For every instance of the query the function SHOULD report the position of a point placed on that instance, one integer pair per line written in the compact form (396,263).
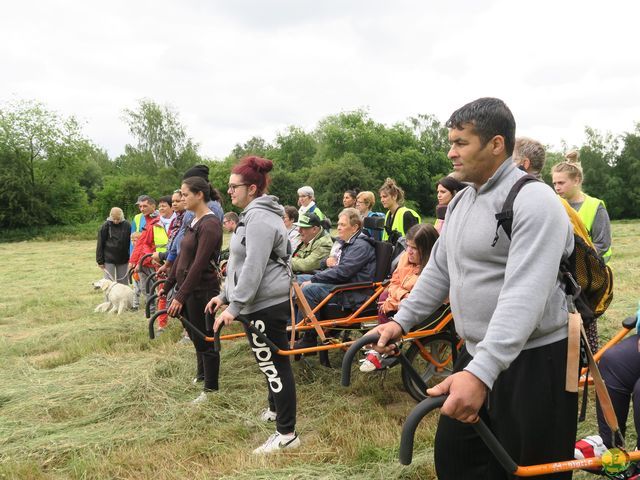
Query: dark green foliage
(122,191)
(51,175)
(47,168)
(611,167)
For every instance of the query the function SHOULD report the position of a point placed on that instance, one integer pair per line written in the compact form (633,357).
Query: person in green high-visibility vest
(399,219)
(567,182)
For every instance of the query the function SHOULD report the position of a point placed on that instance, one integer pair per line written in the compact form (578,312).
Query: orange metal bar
(340,322)
(231,336)
(556,467)
(429,358)
(378,290)
(596,356)
(444,321)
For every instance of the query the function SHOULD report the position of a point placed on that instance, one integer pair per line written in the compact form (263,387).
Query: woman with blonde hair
(112,251)
(399,219)
(567,182)
(364,203)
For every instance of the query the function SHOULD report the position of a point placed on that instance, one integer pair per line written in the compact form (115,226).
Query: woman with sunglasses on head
(196,277)
(257,287)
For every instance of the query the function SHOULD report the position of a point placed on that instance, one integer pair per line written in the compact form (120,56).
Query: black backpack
(587,278)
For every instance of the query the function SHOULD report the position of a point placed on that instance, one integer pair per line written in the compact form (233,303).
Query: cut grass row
(86,395)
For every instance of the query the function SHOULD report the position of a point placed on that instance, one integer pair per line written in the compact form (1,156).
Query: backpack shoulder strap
(505,217)
(273,256)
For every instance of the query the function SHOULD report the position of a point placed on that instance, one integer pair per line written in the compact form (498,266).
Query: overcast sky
(238,68)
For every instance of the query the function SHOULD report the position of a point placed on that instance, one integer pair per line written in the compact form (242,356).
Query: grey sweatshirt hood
(265,202)
(255,279)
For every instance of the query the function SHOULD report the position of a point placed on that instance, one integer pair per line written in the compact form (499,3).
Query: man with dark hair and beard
(508,304)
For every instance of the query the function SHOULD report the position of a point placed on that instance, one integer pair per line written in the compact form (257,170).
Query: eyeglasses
(233,187)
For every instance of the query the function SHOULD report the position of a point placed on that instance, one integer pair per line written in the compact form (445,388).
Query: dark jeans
(315,293)
(207,361)
(528,410)
(620,369)
(272,321)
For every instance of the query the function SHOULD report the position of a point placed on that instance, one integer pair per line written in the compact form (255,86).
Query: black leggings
(207,361)
(272,321)
(620,369)
(528,410)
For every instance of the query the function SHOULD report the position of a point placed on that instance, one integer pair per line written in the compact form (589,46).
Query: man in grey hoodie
(508,305)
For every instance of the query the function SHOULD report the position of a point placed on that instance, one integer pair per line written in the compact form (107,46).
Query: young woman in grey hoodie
(257,287)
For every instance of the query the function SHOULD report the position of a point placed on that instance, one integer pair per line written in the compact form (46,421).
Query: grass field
(89,396)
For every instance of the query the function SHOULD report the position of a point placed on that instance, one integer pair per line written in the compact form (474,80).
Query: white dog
(119,297)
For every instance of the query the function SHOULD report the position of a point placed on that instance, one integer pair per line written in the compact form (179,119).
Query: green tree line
(52,174)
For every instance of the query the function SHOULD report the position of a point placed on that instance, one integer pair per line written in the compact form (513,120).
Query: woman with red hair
(257,287)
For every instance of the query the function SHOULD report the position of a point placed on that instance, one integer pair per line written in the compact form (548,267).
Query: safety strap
(292,339)
(617,439)
(505,217)
(573,353)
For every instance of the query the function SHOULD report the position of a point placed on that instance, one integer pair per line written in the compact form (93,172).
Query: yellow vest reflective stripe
(136,222)
(160,238)
(398,221)
(587,214)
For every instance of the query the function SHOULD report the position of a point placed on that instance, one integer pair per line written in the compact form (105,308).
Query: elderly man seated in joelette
(315,246)
(356,263)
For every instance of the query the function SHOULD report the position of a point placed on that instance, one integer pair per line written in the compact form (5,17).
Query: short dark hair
(352,193)
(291,212)
(489,117)
(231,216)
(451,184)
(166,199)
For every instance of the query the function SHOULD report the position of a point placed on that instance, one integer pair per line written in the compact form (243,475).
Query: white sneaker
(277,443)
(268,415)
(371,362)
(591,446)
(202,398)
(184,341)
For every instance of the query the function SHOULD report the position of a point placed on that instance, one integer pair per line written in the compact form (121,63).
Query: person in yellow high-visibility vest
(154,238)
(567,182)
(399,219)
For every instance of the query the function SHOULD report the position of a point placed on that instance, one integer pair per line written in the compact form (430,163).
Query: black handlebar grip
(347,360)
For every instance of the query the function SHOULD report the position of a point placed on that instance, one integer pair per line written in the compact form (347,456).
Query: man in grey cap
(306,200)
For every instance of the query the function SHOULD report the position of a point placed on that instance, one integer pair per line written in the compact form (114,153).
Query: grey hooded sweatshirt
(505,298)
(254,280)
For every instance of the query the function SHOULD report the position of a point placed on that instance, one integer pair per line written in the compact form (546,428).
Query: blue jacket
(357,264)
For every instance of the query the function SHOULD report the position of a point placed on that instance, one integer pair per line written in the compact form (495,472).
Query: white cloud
(239,68)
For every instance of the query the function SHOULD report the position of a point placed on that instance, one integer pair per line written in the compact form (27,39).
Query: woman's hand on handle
(175,308)
(224,318)
(213,306)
